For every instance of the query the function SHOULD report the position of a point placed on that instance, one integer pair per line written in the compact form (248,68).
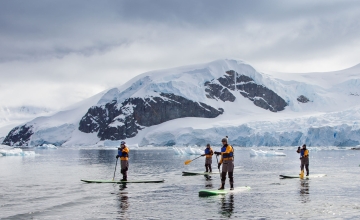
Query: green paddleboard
(198,173)
(305,177)
(129,181)
(206,192)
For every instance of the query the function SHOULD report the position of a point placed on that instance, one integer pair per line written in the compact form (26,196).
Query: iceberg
(254,153)
(47,146)
(16,152)
(187,151)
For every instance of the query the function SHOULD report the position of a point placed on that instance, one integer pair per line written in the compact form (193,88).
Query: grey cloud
(106,43)
(32,30)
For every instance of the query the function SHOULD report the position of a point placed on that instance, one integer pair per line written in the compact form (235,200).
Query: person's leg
(231,174)
(223,175)
(302,165)
(124,169)
(210,162)
(206,168)
(307,166)
(307,169)
(223,178)
(231,180)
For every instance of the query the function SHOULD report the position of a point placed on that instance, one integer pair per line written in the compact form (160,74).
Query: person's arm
(118,154)
(227,151)
(126,150)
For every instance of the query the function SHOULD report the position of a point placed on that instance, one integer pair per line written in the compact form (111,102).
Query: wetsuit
(123,153)
(227,161)
(304,158)
(208,159)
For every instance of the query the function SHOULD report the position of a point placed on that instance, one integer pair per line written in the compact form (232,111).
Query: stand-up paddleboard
(305,177)
(129,181)
(207,192)
(198,173)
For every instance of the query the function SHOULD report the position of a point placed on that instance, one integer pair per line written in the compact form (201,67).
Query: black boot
(231,186)
(222,186)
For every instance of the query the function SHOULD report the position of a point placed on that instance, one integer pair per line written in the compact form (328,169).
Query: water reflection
(227,205)
(97,156)
(122,186)
(208,182)
(124,205)
(304,191)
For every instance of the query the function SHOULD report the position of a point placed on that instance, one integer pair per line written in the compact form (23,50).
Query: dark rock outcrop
(19,136)
(115,121)
(217,91)
(303,99)
(258,94)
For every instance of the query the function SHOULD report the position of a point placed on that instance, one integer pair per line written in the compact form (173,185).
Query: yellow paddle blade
(187,162)
(302,174)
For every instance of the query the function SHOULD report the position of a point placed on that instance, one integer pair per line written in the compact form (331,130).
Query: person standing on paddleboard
(304,158)
(227,162)
(123,153)
(208,158)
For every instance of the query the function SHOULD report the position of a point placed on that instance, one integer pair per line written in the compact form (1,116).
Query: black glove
(117,156)
(202,155)
(219,164)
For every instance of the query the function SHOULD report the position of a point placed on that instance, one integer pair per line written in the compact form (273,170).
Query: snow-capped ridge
(202,103)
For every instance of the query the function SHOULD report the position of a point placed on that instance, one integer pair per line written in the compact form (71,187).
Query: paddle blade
(187,162)
(302,174)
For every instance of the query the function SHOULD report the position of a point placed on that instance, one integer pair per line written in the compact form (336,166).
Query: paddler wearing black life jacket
(208,158)
(227,162)
(304,158)
(123,153)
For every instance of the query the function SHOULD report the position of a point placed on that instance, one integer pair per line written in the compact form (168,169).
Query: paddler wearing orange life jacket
(227,162)
(304,158)
(123,153)
(208,158)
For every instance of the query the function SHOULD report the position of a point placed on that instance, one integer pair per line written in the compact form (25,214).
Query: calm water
(47,186)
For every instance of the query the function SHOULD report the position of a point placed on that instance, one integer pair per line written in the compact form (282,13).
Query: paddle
(115,168)
(218,163)
(302,174)
(189,161)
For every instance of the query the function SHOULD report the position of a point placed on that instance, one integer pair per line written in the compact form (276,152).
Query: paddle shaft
(197,157)
(189,161)
(218,164)
(115,169)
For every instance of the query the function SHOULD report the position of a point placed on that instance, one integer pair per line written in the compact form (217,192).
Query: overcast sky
(55,53)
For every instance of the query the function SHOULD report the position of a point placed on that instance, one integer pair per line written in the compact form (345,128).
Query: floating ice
(16,152)
(111,143)
(254,153)
(187,151)
(133,146)
(47,146)
(178,151)
(313,148)
(193,151)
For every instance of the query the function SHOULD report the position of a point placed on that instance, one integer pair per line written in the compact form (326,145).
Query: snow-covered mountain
(202,103)
(11,116)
